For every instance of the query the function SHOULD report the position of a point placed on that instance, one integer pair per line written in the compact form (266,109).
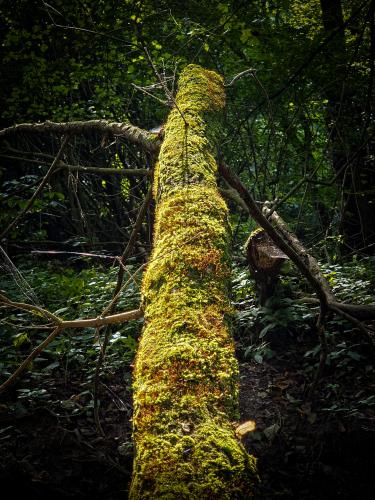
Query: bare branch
(120,276)
(294,256)
(147,140)
(80,168)
(31,308)
(356,323)
(131,242)
(293,241)
(277,238)
(24,365)
(240,75)
(162,82)
(84,323)
(159,77)
(114,319)
(59,326)
(80,254)
(358,311)
(145,91)
(76,323)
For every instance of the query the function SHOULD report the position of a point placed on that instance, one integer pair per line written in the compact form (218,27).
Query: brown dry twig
(81,168)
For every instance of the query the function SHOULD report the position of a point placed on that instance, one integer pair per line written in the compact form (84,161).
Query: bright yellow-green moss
(253,233)
(186,374)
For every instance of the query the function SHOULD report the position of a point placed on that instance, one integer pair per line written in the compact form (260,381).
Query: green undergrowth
(78,294)
(70,294)
(283,333)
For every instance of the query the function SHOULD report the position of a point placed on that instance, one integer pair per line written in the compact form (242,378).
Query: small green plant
(259,352)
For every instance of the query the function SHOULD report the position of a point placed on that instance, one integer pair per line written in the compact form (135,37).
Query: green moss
(257,230)
(186,374)
(219,466)
(186,153)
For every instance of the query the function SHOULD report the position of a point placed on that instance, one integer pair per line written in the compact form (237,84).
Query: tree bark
(265,260)
(147,140)
(186,373)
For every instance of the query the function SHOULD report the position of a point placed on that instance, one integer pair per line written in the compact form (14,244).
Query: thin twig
(320,326)
(142,89)
(81,168)
(240,75)
(81,254)
(31,308)
(355,322)
(120,276)
(168,93)
(98,424)
(130,245)
(24,365)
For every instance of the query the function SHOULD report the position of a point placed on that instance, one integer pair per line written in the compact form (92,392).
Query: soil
(47,455)
(304,452)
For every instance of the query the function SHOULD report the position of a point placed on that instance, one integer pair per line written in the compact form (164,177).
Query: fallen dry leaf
(245,428)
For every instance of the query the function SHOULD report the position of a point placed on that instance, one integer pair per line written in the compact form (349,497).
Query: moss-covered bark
(185,379)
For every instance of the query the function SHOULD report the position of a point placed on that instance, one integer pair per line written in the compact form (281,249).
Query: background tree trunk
(349,118)
(185,379)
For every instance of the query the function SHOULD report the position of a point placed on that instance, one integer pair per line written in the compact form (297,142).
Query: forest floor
(304,451)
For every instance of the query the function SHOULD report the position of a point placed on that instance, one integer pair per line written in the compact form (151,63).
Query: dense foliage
(87,60)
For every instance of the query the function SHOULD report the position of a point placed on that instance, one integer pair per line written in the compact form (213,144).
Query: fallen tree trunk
(363,312)
(186,374)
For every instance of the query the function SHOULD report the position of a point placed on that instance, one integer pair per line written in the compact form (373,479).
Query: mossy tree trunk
(185,378)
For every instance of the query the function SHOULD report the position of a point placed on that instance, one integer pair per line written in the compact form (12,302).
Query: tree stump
(265,260)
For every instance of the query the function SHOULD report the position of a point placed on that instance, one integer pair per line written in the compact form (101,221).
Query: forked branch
(59,324)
